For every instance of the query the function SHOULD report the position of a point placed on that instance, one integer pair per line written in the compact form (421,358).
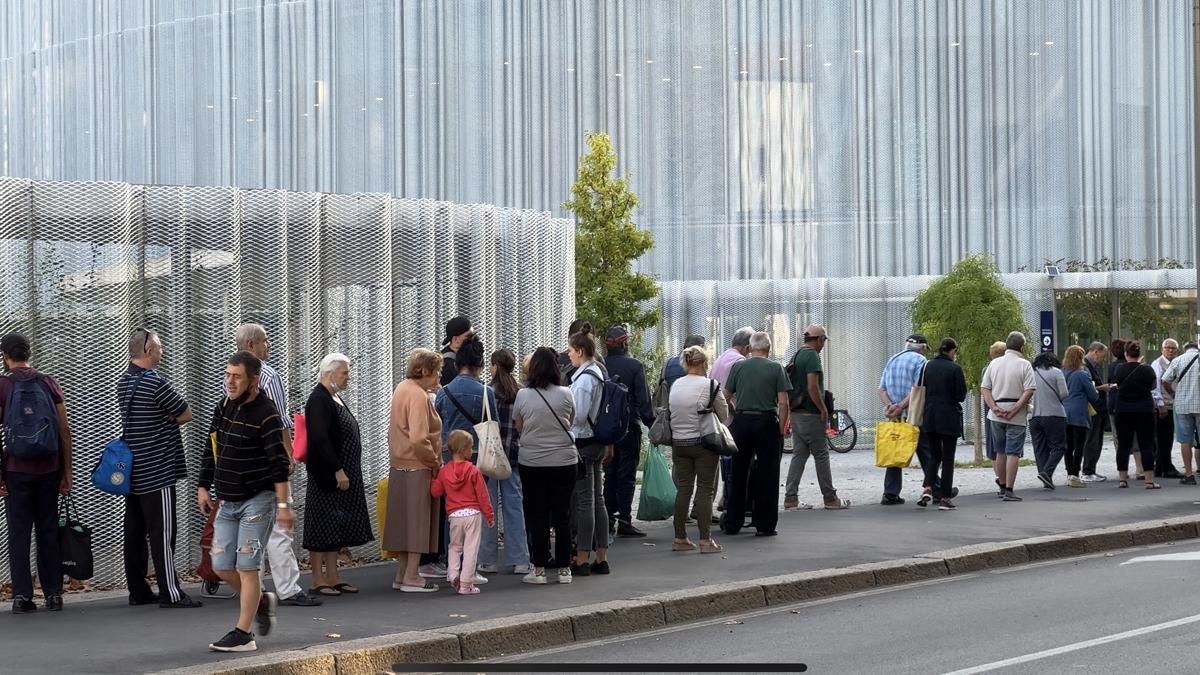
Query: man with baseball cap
(620,475)
(899,375)
(457,330)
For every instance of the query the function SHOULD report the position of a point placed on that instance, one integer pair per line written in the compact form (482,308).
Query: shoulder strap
(127,405)
(921,377)
(712,396)
(1188,367)
(555,415)
(461,409)
(1038,372)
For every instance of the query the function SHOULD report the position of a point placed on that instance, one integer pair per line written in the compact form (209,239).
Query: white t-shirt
(1008,377)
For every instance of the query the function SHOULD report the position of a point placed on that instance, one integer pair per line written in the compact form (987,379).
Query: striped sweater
(246,455)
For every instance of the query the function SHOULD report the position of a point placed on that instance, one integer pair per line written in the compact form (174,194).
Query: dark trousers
(32,505)
(1094,443)
(893,478)
(1049,442)
(1165,433)
(941,448)
(1076,441)
(759,443)
(620,475)
(1131,425)
(546,498)
(151,516)
(443,537)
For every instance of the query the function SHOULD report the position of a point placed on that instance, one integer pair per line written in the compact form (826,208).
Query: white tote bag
(493,461)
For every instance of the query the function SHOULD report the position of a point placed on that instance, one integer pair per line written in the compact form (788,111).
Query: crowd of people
(571,489)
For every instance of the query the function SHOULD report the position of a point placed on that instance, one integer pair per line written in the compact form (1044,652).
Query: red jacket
(463,485)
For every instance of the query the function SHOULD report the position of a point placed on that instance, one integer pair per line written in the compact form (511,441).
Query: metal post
(1196,152)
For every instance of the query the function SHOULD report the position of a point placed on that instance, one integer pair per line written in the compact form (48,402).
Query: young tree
(607,290)
(972,306)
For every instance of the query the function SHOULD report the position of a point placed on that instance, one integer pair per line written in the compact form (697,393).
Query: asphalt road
(1097,614)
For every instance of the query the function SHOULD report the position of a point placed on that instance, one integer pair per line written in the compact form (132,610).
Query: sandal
(1123,484)
(328,591)
(838,505)
(710,546)
(1151,485)
(685,545)
(345,588)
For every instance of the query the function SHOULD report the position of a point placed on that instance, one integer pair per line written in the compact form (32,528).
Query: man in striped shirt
(252,337)
(152,412)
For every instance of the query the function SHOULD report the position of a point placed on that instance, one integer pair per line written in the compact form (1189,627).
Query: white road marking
(1087,644)
(1167,557)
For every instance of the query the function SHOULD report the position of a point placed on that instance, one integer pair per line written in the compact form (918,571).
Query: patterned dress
(339,519)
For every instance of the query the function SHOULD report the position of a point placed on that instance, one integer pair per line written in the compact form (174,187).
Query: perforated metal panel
(364,274)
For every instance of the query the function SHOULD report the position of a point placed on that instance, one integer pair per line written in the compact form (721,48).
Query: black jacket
(945,390)
(1101,405)
(629,371)
(324,438)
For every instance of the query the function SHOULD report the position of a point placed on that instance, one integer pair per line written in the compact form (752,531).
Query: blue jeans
(1007,439)
(516,549)
(240,533)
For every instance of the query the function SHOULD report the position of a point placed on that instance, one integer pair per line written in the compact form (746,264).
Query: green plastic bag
(658,488)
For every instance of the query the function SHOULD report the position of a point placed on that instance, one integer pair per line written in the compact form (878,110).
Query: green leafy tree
(607,290)
(974,307)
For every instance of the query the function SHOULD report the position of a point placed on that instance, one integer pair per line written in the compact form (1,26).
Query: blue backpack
(612,422)
(115,466)
(30,420)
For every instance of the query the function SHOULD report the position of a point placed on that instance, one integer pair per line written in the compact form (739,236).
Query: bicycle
(842,434)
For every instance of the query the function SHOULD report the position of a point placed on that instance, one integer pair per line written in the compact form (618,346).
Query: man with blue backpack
(35,470)
(620,475)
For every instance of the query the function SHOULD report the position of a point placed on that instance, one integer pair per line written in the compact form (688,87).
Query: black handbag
(74,541)
(719,440)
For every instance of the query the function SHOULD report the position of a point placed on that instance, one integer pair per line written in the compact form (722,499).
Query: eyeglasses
(146,344)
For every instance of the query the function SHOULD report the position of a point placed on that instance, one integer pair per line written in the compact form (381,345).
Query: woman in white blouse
(694,400)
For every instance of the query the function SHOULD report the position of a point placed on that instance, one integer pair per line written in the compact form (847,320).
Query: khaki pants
(808,438)
(694,465)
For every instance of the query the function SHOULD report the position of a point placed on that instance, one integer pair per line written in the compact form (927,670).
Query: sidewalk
(108,636)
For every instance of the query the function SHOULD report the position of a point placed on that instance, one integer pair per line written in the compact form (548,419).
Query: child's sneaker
(564,575)
(534,577)
(468,589)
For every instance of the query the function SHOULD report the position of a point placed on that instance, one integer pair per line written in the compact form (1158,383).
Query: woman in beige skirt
(414,432)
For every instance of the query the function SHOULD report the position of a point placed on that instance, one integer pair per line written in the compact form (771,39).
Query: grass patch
(987,464)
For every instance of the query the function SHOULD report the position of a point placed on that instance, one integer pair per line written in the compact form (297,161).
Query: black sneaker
(137,602)
(265,616)
(1188,480)
(186,602)
(600,567)
(578,570)
(300,599)
(54,603)
(1047,482)
(891,500)
(23,605)
(235,641)
(1010,497)
(926,497)
(953,492)
(625,529)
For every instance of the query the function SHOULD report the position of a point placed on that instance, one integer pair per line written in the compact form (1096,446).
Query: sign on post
(1047,331)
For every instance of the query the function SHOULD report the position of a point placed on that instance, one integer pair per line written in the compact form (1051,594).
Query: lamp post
(1196,154)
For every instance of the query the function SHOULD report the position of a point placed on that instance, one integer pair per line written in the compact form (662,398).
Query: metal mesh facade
(364,274)
(823,138)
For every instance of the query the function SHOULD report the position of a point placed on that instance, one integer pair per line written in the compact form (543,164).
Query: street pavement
(1105,613)
(103,634)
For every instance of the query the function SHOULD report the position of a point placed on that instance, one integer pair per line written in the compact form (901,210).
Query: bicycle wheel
(843,432)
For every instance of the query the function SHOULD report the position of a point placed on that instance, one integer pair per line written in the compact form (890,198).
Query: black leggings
(941,450)
(1076,442)
(546,496)
(1141,425)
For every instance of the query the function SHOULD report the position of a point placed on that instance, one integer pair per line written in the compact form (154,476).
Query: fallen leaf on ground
(646,543)
(333,635)
(734,623)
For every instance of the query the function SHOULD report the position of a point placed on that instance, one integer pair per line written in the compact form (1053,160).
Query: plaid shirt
(1187,389)
(509,435)
(901,373)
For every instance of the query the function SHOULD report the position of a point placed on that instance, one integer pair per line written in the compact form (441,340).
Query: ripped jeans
(241,531)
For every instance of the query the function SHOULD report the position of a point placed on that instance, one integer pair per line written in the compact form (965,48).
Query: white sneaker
(535,577)
(522,569)
(480,579)
(1093,478)
(488,568)
(564,575)
(432,571)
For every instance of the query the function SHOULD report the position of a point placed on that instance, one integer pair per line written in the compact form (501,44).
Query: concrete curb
(525,632)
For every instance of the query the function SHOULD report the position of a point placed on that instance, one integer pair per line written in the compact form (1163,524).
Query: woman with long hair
(507,491)
(1048,423)
(1081,399)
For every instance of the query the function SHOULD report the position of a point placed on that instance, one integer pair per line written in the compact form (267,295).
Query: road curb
(525,632)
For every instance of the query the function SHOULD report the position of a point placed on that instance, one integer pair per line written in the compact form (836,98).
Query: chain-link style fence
(363,274)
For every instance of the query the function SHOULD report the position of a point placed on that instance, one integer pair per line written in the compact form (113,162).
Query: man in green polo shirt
(809,420)
(759,389)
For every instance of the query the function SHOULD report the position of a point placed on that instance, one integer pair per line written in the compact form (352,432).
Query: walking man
(1164,402)
(810,418)
(1183,383)
(1093,445)
(285,570)
(900,373)
(1008,384)
(620,474)
(248,465)
(759,425)
(34,470)
(152,412)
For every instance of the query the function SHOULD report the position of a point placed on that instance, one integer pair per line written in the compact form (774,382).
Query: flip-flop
(328,591)
(346,588)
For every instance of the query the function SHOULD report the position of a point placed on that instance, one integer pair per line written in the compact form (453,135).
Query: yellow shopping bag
(895,443)
(381,495)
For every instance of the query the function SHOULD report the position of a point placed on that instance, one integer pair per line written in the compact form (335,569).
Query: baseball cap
(616,335)
(13,342)
(455,327)
(694,341)
(916,339)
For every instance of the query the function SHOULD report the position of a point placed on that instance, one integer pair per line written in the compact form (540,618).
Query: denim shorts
(240,533)
(1187,428)
(1008,439)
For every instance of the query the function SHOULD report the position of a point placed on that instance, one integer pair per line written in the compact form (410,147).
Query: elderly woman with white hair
(335,507)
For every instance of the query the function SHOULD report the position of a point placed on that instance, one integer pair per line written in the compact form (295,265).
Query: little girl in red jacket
(466,497)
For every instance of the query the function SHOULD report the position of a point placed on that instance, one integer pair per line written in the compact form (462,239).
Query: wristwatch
(282,505)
